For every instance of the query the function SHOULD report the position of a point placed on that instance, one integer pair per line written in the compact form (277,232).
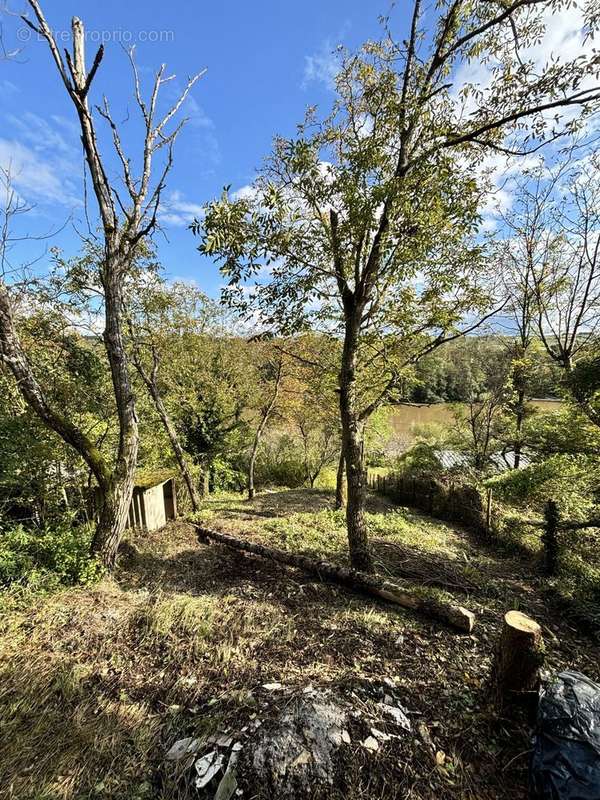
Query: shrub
(45,558)
(572,481)
(280,463)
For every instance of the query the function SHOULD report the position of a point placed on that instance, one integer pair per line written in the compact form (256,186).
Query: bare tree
(520,257)
(159,314)
(125,222)
(554,244)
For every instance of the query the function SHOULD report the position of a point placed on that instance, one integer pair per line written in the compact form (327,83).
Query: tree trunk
(519,656)
(457,616)
(352,445)
(519,416)
(117,497)
(255,445)
(112,521)
(340,494)
(179,454)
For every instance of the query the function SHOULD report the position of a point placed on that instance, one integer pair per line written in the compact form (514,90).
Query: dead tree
(519,656)
(125,223)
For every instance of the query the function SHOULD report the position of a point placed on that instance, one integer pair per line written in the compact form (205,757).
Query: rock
(297,754)
(228,785)
(207,767)
(371,743)
(380,735)
(183,748)
(272,687)
(397,715)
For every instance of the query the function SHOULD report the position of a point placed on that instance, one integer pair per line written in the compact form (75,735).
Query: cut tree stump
(456,616)
(515,675)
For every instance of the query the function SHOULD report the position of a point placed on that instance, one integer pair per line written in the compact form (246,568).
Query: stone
(371,743)
(297,754)
(183,748)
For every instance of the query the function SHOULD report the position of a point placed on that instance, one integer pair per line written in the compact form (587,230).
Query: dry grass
(97,683)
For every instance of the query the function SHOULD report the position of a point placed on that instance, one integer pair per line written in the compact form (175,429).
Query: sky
(266,61)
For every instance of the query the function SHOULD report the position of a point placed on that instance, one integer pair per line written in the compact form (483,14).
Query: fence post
(384,484)
(550,537)
(378,482)
(488,511)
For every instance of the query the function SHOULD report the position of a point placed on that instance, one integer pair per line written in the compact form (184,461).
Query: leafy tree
(271,376)
(164,323)
(364,221)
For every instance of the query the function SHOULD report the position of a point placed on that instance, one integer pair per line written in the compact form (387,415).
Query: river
(407,419)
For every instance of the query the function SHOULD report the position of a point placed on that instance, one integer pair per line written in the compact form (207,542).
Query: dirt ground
(97,683)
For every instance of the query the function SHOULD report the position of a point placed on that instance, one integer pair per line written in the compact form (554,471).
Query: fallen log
(456,616)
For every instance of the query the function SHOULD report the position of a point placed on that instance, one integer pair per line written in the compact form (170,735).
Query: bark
(519,656)
(151,382)
(113,516)
(340,493)
(352,445)
(456,616)
(266,413)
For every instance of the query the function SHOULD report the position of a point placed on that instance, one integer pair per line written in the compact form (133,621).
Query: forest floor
(97,683)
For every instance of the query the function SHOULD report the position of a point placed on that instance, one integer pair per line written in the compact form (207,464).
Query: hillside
(97,683)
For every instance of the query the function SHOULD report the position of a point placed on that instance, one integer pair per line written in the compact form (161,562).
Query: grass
(97,683)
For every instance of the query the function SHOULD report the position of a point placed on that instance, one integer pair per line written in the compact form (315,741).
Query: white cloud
(564,39)
(8,88)
(247,192)
(322,66)
(43,156)
(35,176)
(178,212)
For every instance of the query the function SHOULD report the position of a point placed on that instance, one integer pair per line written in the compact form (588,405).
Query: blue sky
(266,60)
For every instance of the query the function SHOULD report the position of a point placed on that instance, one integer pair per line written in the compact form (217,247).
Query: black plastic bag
(565,764)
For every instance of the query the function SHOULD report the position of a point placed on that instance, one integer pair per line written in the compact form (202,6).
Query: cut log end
(517,621)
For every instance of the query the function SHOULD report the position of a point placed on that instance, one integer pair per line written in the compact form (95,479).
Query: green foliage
(280,462)
(43,559)
(572,481)
(419,460)
(226,475)
(565,430)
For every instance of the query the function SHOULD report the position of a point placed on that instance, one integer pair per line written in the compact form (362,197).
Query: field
(97,683)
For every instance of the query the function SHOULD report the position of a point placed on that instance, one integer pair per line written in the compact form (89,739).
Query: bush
(280,463)
(42,559)
(572,481)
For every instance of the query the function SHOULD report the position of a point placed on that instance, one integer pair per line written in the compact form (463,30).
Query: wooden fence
(447,500)
(475,508)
